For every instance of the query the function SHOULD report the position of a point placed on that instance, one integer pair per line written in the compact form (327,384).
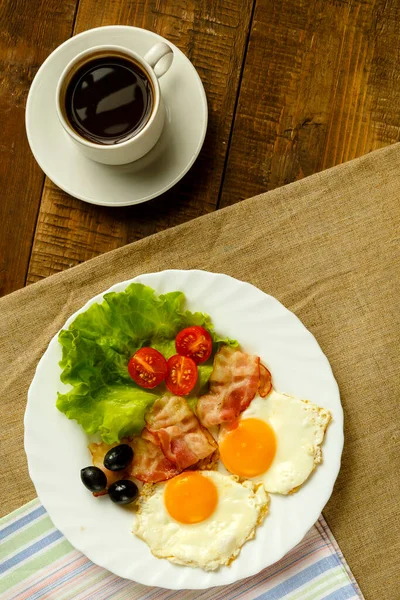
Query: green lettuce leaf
(96,349)
(204,374)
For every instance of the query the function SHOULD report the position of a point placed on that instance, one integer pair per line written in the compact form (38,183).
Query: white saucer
(173,155)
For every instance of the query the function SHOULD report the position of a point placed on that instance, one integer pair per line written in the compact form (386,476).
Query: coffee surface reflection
(108,99)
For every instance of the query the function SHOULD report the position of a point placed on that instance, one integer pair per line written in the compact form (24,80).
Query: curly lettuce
(96,349)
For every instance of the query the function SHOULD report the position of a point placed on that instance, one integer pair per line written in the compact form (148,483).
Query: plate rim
(338,417)
(36,82)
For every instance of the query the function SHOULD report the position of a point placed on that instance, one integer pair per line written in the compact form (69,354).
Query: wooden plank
(213,35)
(320,86)
(29,32)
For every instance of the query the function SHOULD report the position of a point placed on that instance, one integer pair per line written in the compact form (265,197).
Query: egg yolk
(249,449)
(190,497)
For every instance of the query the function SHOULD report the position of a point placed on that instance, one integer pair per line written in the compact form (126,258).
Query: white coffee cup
(154,64)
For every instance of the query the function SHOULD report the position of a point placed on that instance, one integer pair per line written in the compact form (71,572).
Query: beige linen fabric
(328,248)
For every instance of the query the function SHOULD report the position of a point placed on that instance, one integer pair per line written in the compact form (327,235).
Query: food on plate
(147,367)
(190,497)
(118,457)
(214,515)
(194,342)
(123,491)
(172,441)
(98,452)
(150,465)
(182,375)
(171,425)
(97,348)
(277,441)
(265,385)
(234,382)
(151,378)
(247,447)
(110,466)
(94,479)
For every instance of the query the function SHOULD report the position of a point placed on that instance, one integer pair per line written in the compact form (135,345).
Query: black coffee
(108,99)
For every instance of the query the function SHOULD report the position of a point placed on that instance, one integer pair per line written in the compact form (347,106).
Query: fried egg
(200,518)
(277,441)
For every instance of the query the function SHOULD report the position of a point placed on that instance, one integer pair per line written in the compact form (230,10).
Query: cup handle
(160,58)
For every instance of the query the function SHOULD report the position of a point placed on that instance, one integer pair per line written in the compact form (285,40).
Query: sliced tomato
(182,375)
(194,342)
(147,367)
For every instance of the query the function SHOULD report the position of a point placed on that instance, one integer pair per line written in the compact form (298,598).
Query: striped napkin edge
(22,517)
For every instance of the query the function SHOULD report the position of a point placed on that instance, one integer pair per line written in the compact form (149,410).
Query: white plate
(173,155)
(57,448)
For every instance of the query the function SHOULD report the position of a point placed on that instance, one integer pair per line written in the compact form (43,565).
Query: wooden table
(293,86)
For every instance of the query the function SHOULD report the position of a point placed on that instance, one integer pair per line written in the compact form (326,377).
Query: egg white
(299,427)
(211,543)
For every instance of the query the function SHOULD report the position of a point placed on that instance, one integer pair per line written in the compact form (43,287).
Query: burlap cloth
(327,248)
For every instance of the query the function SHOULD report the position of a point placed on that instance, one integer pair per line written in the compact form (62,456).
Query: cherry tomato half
(182,375)
(147,367)
(194,342)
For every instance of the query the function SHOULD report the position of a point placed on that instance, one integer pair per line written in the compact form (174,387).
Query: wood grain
(321,85)
(27,36)
(213,35)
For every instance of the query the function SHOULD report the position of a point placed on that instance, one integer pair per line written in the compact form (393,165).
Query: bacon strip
(265,382)
(234,382)
(149,463)
(173,426)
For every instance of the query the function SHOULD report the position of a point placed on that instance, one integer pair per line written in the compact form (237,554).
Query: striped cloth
(38,562)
